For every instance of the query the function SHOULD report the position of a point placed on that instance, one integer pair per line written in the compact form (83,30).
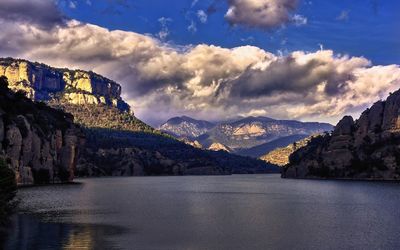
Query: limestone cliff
(42,82)
(39,143)
(367,148)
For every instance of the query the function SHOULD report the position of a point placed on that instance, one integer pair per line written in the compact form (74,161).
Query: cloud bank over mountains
(205,81)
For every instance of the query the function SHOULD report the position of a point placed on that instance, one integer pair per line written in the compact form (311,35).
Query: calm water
(213,212)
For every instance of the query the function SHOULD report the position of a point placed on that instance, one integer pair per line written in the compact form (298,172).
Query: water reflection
(208,212)
(30,232)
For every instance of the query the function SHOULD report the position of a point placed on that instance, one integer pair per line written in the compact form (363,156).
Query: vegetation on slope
(111,132)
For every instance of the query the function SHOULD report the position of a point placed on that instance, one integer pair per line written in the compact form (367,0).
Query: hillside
(363,149)
(260,150)
(280,156)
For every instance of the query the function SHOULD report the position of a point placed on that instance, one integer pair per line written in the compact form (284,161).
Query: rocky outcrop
(363,149)
(42,82)
(218,146)
(39,143)
(194,143)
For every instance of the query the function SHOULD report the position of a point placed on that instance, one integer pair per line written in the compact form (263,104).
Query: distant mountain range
(249,136)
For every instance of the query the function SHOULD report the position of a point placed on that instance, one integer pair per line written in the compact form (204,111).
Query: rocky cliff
(42,82)
(367,148)
(41,144)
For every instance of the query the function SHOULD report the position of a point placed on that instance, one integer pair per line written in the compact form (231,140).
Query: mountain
(254,131)
(363,149)
(260,150)
(39,143)
(280,156)
(186,127)
(249,136)
(117,143)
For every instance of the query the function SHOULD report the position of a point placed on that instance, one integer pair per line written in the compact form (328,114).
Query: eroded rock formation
(367,148)
(40,144)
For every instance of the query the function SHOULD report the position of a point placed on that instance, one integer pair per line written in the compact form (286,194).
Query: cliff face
(39,143)
(363,149)
(41,82)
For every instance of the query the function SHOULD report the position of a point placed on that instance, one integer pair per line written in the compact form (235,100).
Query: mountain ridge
(243,134)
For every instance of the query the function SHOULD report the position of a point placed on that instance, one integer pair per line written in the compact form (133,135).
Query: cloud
(202,15)
(205,81)
(164,32)
(40,12)
(194,2)
(192,27)
(72,4)
(299,20)
(264,14)
(343,16)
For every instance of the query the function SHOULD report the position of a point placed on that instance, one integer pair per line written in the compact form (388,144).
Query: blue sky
(368,28)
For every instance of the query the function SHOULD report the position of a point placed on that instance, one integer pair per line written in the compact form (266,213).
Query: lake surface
(208,212)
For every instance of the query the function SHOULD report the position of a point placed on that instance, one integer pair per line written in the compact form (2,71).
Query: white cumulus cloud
(265,14)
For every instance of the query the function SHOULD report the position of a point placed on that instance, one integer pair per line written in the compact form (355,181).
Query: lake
(208,212)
